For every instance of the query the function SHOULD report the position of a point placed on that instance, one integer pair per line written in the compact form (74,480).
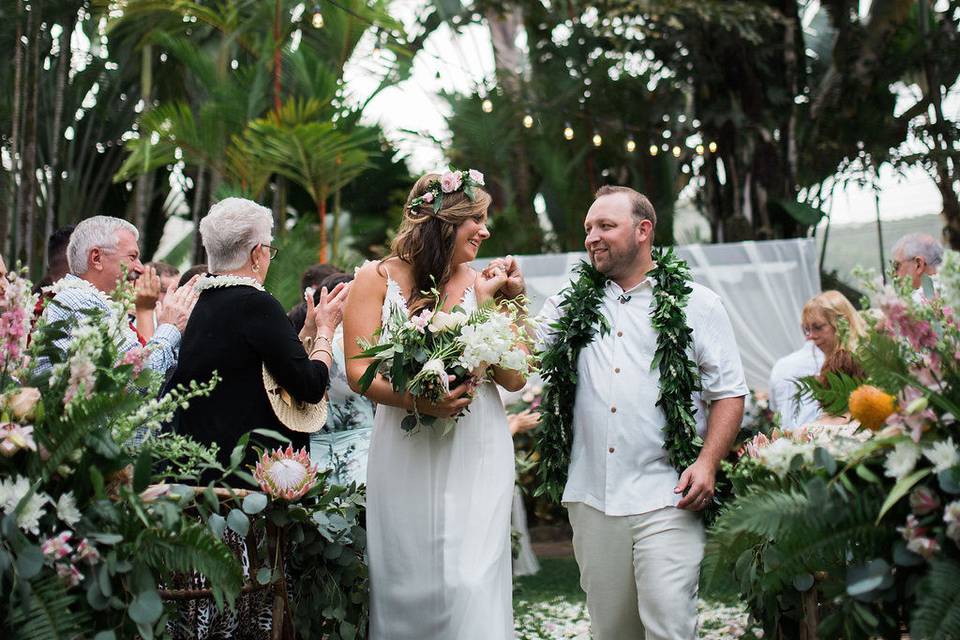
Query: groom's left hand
(697,485)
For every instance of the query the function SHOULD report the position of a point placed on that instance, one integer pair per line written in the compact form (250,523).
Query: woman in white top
(438,506)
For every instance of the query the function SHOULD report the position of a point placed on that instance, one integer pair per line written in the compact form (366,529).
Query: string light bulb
(317,19)
(631,145)
(568,132)
(654,150)
(527,121)
(486,105)
(676,152)
(713,147)
(597,140)
(699,149)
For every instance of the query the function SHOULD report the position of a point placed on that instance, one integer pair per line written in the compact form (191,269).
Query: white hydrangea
(902,460)
(515,360)
(486,342)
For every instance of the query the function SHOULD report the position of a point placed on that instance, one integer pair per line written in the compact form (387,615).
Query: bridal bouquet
(419,354)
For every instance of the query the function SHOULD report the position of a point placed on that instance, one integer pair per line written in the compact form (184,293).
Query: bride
(438,507)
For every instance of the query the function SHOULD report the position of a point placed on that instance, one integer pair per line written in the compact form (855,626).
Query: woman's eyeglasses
(813,328)
(273,250)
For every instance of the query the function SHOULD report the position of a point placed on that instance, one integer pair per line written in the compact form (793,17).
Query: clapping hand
(146,288)
(523,421)
(178,304)
(327,314)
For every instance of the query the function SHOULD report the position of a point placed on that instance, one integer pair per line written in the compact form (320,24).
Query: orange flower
(871,406)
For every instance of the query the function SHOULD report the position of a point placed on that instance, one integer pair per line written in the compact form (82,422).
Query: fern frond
(49,614)
(194,548)
(938,608)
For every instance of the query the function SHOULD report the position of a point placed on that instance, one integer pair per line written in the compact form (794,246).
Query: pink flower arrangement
(82,376)
(14,438)
(87,552)
(422,320)
(16,308)
(476,177)
(137,357)
(450,181)
(286,475)
(57,547)
(70,574)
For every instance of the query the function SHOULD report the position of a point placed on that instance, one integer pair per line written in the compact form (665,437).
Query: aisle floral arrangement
(419,354)
(851,529)
(95,509)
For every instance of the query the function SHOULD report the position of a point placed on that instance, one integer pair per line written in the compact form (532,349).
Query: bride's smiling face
(470,235)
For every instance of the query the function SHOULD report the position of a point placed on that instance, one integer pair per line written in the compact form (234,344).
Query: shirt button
(610,449)
(613,409)
(617,370)
(619,334)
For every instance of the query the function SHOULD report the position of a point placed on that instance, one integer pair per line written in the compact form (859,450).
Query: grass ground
(551,606)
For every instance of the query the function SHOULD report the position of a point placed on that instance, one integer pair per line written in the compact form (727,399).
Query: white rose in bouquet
(444,321)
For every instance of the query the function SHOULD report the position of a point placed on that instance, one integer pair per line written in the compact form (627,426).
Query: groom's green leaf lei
(577,328)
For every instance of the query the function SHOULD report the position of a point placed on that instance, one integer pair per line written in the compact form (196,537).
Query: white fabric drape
(764,286)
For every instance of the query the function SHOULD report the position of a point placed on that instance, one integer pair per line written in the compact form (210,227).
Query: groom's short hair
(640,205)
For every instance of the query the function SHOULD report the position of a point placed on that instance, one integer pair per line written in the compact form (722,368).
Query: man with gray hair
(101,248)
(917,255)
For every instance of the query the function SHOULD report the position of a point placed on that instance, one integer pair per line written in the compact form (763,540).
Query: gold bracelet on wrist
(324,338)
(321,350)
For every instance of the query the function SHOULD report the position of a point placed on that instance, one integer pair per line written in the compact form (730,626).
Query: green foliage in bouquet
(853,530)
(418,354)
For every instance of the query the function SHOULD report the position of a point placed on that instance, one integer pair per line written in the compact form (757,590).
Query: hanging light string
(528,119)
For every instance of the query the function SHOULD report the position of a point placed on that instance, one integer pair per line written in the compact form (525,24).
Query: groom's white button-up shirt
(618,464)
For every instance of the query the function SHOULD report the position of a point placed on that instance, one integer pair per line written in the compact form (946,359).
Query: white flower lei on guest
(219,282)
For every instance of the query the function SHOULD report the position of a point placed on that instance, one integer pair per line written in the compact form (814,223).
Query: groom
(637,535)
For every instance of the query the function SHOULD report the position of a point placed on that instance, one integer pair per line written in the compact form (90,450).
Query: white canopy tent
(764,286)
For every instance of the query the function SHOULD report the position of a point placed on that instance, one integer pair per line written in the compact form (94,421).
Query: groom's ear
(643,231)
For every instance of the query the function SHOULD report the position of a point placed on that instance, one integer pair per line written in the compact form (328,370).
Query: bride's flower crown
(450,182)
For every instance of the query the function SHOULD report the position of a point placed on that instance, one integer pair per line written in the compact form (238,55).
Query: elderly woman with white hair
(237,330)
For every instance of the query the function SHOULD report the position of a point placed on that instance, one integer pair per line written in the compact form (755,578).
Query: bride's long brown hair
(425,239)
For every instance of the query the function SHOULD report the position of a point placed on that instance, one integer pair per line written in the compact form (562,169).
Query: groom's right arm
(543,322)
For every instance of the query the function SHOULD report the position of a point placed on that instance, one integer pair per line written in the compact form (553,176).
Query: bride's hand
(452,404)
(515,285)
(489,282)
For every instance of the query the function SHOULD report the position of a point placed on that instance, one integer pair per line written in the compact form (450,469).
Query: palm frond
(51,613)
(938,612)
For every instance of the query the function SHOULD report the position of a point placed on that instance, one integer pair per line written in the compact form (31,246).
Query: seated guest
(169,276)
(237,329)
(100,249)
(57,266)
(315,275)
(342,444)
(914,256)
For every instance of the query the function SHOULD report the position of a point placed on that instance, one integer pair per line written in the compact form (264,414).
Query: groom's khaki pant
(640,572)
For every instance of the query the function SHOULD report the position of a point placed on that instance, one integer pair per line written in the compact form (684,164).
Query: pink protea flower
(14,437)
(450,181)
(287,475)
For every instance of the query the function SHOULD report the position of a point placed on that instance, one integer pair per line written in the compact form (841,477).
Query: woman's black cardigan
(234,331)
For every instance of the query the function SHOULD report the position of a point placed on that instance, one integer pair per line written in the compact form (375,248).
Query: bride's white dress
(438,521)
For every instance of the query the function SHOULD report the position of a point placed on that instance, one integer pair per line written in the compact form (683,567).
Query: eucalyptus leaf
(146,608)
(29,561)
(803,582)
(254,503)
(238,521)
(264,575)
(217,524)
(865,578)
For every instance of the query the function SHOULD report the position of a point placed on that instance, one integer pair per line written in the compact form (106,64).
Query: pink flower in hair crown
(427,197)
(451,181)
(476,177)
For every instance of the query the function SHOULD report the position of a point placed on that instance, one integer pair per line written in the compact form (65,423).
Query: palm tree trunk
(276,56)
(197,255)
(322,216)
(10,200)
(63,66)
(144,193)
(27,203)
(335,241)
